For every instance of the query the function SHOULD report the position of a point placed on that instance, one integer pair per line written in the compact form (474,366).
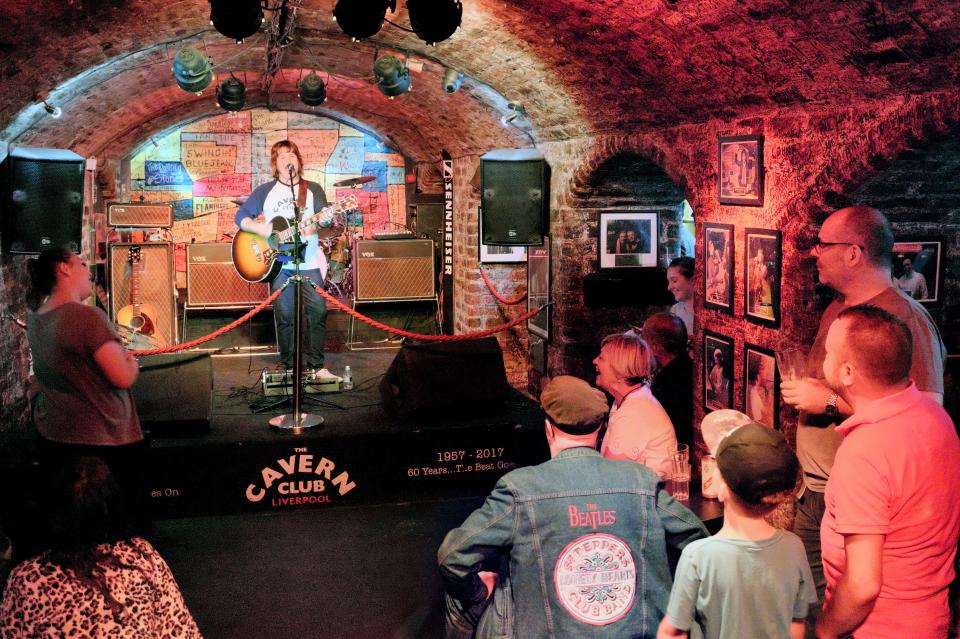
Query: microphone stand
(296,421)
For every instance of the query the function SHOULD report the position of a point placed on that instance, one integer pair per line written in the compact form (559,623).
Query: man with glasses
(854,251)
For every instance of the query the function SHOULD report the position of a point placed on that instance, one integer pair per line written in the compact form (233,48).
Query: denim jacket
(586,539)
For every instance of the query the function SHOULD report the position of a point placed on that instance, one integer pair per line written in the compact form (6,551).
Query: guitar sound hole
(136,323)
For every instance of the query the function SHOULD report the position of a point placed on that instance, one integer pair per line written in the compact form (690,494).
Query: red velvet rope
(217,333)
(429,338)
(500,298)
(337,303)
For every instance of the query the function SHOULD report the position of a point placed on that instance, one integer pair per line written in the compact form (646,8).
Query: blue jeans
(314,327)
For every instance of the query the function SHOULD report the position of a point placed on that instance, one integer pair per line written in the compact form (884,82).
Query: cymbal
(363,179)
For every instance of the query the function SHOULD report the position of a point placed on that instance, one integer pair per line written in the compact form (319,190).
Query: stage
(359,455)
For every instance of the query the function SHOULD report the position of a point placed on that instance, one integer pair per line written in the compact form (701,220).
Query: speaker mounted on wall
(514,195)
(43,200)
(140,215)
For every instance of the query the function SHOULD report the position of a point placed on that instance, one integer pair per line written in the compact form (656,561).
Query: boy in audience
(751,579)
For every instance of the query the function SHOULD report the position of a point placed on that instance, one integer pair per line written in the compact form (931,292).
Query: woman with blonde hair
(638,428)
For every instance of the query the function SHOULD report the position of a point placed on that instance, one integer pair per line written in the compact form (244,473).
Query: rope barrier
(343,307)
(428,338)
(217,333)
(500,298)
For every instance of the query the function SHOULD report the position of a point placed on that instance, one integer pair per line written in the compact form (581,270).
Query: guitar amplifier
(156,283)
(212,280)
(389,270)
(140,215)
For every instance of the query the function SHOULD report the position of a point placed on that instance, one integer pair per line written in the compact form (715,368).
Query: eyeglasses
(819,245)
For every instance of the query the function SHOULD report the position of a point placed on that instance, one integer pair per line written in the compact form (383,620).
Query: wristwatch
(831,407)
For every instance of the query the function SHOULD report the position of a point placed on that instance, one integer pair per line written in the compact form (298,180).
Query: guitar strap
(302,194)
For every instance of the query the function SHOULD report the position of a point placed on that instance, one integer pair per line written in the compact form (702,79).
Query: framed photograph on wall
(918,268)
(740,170)
(628,239)
(538,288)
(762,262)
(761,385)
(498,254)
(718,272)
(717,371)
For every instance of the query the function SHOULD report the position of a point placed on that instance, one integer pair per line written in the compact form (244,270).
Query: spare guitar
(137,317)
(255,256)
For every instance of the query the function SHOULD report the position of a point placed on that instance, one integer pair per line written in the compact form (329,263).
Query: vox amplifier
(388,270)
(212,280)
(140,215)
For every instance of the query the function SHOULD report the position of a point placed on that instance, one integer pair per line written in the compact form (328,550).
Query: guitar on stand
(137,322)
(256,257)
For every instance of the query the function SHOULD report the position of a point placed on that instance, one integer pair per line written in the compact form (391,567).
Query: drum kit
(336,242)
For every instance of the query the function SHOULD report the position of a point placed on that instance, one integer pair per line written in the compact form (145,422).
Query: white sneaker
(323,373)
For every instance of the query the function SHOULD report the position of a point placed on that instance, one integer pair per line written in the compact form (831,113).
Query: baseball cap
(756,461)
(573,405)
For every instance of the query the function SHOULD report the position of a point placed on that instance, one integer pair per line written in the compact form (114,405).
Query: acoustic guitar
(255,256)
(136,316)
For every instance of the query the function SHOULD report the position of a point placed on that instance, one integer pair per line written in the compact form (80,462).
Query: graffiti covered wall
(204,167)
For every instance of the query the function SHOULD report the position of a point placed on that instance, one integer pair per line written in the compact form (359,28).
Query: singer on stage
(276,199)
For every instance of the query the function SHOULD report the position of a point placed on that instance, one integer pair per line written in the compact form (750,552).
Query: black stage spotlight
(312,90)
(361,19)
(434,20)
(231,94)
(237,19)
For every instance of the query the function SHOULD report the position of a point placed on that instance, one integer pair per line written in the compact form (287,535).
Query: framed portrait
(762,261)
(918,268)
(717,371)
(718,279)
(628,239)
(498,254)
(538,288)
(761,386)
(740,170)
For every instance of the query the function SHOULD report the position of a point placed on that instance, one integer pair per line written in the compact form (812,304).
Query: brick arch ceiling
(579,66)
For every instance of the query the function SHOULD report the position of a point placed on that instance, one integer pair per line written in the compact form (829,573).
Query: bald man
(853,251)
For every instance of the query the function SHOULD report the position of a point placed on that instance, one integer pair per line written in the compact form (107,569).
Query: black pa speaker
(459,375)
(174,393)
(514,197)
(43,200)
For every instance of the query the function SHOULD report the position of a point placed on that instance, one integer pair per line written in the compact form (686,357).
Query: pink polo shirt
(897,473)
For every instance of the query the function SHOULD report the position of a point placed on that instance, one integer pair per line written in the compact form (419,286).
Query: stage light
(312,90)
(191,70)
(515,111)
(361,19)
(393,78)
(452,80)
(237,19)
(231,94)
(434,20)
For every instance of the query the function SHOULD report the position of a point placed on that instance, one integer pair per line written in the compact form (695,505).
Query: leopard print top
(42,600)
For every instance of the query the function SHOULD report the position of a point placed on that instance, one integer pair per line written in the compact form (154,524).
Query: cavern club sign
(301,478)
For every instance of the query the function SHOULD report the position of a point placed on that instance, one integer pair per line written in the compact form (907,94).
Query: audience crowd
(591,543)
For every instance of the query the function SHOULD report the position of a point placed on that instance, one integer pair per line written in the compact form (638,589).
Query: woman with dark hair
(97,579)
(84,405)
(680,283)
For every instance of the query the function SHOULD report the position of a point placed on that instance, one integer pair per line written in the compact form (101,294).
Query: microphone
(290,169)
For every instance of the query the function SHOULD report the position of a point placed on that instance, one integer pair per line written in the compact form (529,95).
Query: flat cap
(573,405)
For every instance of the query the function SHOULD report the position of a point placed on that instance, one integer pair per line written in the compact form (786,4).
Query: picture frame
(925,259)
(762,265)
(718,251)
(489,254)
(761,385)
(538,288)
(740,170)
(718,369)
(628,239)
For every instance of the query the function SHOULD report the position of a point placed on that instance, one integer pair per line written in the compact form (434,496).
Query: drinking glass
(792,363)
(681,482)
